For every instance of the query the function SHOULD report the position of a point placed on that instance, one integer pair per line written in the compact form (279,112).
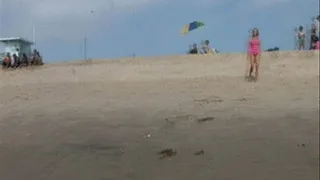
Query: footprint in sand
(301,145)
(201,120)
(214,99)
(250,78)
(242,99)
(174,119)
(198,153)
(189,118)
(167,153)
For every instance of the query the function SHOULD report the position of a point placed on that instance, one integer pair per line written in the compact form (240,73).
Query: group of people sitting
(204,49)
(14,61)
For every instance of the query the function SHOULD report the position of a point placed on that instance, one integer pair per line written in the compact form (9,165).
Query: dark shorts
(314,38)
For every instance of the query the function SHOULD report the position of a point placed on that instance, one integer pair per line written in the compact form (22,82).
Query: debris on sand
(217,100)
(174,119)
(201,120)
(243,99)
(169,121)
(214,99)
(301,145)
(198,153)
(167,153)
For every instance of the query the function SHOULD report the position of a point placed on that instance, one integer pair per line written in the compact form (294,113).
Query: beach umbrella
(191,26)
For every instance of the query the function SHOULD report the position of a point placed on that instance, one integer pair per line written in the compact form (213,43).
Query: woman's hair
(255,32)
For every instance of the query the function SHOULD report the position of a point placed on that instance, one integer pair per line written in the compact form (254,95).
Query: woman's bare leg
(257,65)
(251,65)
(301,47)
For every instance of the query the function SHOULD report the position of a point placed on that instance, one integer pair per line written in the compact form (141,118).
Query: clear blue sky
(120,28)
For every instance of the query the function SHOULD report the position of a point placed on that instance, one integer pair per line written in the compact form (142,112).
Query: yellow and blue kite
(191,26)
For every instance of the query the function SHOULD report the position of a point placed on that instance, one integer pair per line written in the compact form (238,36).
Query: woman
(254,52)
(314,38)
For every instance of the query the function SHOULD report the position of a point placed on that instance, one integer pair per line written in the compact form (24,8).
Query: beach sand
(108,120)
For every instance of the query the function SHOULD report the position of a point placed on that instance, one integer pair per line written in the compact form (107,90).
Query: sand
(108,120)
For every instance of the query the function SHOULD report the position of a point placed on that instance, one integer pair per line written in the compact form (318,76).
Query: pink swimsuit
(254,48)
(318,45)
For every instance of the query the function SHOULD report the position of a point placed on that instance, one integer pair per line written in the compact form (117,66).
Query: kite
(191,26)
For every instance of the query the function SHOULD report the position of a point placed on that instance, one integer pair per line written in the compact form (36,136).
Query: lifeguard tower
(16,45)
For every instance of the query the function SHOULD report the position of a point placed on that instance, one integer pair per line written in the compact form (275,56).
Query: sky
(122,28)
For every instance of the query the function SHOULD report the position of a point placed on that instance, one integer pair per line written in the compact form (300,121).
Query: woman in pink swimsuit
(254,52)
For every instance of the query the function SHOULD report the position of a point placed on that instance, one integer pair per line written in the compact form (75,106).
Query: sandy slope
(90,122)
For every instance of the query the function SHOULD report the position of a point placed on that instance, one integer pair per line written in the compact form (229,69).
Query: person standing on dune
(301,39)
(317,24)
(254,51)
(314,37)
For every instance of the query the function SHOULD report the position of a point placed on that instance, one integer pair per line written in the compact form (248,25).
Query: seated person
(215,51)
(206,49)
(194,49)
(24,60)
(6,63)
(40,62)
(16,60)
(36,58)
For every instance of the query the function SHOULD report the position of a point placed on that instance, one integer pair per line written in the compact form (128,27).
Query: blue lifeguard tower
(16,45)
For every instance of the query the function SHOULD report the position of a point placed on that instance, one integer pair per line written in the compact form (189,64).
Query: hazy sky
(120,28)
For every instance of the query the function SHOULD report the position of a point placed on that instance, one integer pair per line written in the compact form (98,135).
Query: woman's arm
(260,50)
(248,47)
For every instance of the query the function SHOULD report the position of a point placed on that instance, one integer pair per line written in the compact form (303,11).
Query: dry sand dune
(108,119)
